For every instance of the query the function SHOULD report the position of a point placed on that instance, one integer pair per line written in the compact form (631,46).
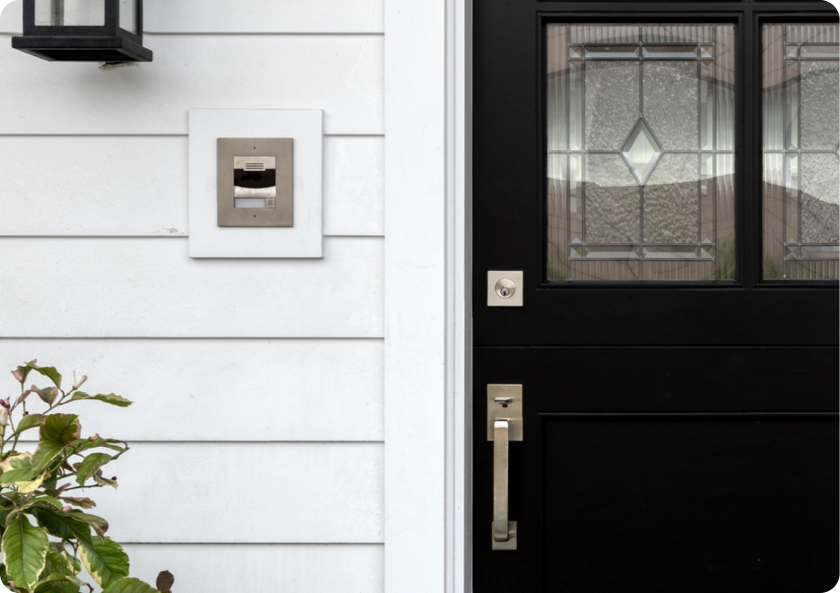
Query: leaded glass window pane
(640,152)
(801,142)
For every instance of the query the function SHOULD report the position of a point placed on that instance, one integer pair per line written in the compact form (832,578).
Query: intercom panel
(255,182)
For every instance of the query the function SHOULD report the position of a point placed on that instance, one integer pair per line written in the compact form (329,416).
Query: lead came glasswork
(801,165)
(650,126)
(641,151)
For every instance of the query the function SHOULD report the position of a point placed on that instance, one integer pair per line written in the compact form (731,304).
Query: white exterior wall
(258,384)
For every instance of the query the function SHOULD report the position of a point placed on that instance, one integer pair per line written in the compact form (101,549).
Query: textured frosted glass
(671,201)
(641,122)
(671,103)
(612,201)
(820,200)
(801,168)
(820,92)
(70,13)
(612,103)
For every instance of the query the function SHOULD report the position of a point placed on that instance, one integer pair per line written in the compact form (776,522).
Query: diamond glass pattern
(641,151)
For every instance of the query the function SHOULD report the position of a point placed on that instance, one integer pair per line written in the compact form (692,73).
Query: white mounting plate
(304,239)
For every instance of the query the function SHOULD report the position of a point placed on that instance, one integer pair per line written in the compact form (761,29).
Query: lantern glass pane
(70,13)
(128,15)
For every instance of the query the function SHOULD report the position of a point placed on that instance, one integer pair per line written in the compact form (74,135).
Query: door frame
(428,244)
(427,297)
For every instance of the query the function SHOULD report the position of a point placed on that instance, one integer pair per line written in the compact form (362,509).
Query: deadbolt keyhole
(505,288)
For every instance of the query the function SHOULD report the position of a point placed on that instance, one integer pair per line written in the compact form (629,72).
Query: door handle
(504,424)
(501,445)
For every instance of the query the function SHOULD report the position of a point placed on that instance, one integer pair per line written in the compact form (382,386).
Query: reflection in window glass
(128,15)
(801,140)
(69,13)
(640,152)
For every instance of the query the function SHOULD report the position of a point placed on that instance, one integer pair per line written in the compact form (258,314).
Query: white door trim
(427,293)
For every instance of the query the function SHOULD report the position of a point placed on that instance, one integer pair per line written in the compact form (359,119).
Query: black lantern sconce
(83,31)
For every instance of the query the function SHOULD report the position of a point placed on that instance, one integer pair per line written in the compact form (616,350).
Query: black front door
(665,177)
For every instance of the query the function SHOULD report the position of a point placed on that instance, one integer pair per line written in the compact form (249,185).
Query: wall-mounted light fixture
(83,31)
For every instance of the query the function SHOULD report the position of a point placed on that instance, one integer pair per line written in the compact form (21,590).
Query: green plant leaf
(100,525)
(89,466)
(24,548)
(108,398)
(86,444)
(65,586)
(48,395)
(63,525)
(129,586)
(61,428)
(106,561)
(24,370)
(78,501)
(45,453)
(28,422)
(4,514)
(58,587)
(50,372)
(97,477)
(17,468)
(58,560)
(27,486)
(47,501)
(58,582)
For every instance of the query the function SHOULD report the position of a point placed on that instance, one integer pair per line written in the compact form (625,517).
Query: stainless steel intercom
(255,182)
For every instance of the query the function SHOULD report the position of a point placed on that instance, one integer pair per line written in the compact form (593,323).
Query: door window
(641,152)
(801,135)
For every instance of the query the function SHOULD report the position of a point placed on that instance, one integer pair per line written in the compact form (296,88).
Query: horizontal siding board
(265,568)
(11,20)
(255,16)
(264,16)
(244,492)
(221,390)
(342,75)
(124,288)
(138,186)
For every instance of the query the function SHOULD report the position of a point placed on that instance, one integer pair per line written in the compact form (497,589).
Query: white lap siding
(257,453)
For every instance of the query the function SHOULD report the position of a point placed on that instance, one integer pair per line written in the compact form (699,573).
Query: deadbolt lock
(504,289)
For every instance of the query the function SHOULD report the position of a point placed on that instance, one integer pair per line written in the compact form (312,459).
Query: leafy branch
(46,536)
